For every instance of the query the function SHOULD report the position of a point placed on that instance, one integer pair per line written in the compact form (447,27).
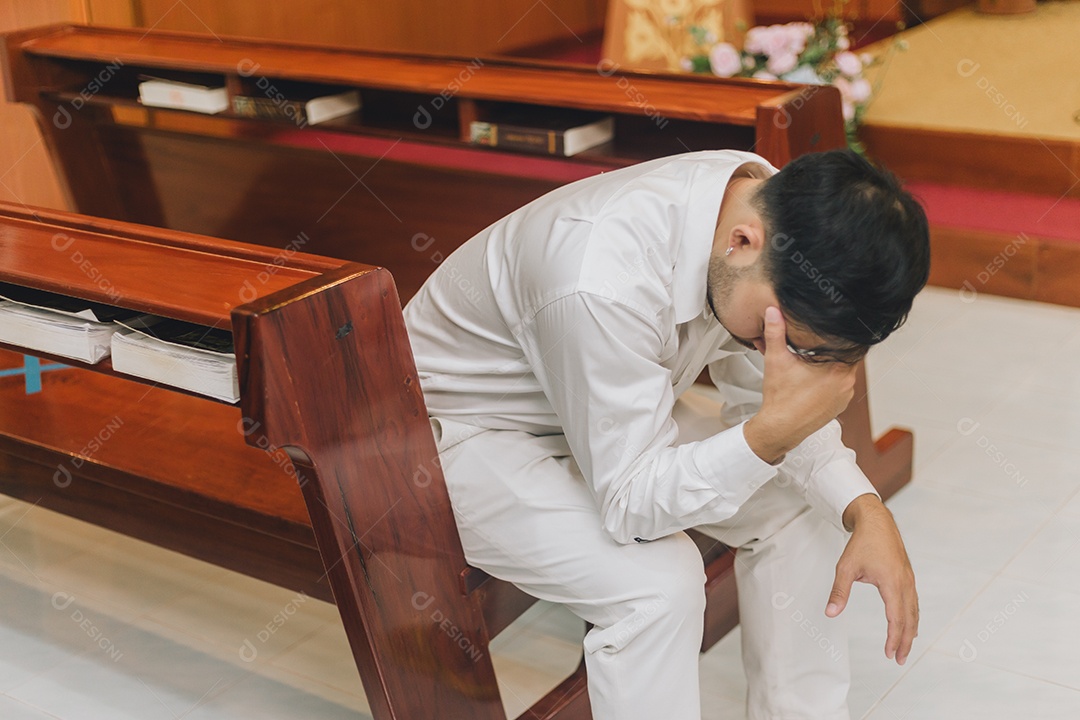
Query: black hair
(848,248)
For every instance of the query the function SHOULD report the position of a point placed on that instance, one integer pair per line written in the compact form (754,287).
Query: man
(554,349)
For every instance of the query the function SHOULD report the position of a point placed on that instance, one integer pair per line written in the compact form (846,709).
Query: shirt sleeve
(821,467)
(598,362)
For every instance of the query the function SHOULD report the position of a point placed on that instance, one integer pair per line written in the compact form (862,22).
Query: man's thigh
(525,515)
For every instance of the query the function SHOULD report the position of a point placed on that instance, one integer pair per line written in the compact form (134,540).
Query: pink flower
(848,63)
(860,90)
(781,63)
(844,86)
(842,42)
(851,94)
(796,36)
(724,60)
(755,40)
(778,42)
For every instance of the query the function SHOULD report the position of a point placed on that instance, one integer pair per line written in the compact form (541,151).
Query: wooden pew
(376,189)
(324,479)
(396,185)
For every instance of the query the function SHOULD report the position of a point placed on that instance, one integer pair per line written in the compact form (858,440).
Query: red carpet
(999,211)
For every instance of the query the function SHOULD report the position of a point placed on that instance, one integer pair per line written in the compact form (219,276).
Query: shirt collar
(709,175)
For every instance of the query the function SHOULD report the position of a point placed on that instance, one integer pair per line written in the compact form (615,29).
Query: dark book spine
(270,109)
(517,137)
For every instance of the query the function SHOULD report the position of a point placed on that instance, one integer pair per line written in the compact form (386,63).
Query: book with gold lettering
(272,104)
(564,133)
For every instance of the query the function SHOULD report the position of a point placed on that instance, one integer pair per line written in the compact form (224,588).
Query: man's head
(836,243)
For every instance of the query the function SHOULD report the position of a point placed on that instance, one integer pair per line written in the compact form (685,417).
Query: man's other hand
(875,554)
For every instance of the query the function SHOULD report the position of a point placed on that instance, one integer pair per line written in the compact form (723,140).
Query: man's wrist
(861,507)
(763,441)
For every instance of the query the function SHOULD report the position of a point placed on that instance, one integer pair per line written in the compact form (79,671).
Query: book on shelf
(192,357)
(299,110)
(59,324)
(157,92)
(562,133)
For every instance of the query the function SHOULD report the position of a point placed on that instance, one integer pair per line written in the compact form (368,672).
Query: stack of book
(181,354)
(58,324)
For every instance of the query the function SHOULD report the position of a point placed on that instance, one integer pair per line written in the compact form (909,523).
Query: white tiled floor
(95,625)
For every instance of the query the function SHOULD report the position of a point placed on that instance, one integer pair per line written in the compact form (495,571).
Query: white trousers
(526,516)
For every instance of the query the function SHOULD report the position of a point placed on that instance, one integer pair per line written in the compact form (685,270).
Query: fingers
(841,590)
(911,630)
(902,613)
(775,331)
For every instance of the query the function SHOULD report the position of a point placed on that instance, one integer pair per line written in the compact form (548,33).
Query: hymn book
(155,92)
(59,324)
(192,357)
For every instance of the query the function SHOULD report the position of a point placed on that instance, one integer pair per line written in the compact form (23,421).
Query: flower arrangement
(814,53)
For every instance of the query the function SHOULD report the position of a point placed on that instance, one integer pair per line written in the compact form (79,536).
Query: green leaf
(700,64)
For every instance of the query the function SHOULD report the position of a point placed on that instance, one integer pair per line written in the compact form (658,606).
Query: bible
(192,357)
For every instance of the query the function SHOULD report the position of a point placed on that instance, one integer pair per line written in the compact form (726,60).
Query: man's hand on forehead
(799,397)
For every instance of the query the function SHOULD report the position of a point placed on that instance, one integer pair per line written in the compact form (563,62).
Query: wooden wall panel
(965,259)
(26,171)
(1058,269)
(110,12)
(27,174)
(975,159)
(465,27)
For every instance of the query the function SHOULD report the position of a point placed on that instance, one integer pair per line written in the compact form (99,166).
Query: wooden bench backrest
(399,186)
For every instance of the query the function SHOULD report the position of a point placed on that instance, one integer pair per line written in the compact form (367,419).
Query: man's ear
(745,243)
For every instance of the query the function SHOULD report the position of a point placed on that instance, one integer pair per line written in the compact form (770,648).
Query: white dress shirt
(584,313)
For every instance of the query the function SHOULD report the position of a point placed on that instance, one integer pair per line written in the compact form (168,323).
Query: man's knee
(666,594)
(686,576)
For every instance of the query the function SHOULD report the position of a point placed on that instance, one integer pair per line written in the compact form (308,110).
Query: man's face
(739,297)
(738,289)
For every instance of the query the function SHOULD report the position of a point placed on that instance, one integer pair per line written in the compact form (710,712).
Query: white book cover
(183,96)
(56,333)
(580,139)
(328,107)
